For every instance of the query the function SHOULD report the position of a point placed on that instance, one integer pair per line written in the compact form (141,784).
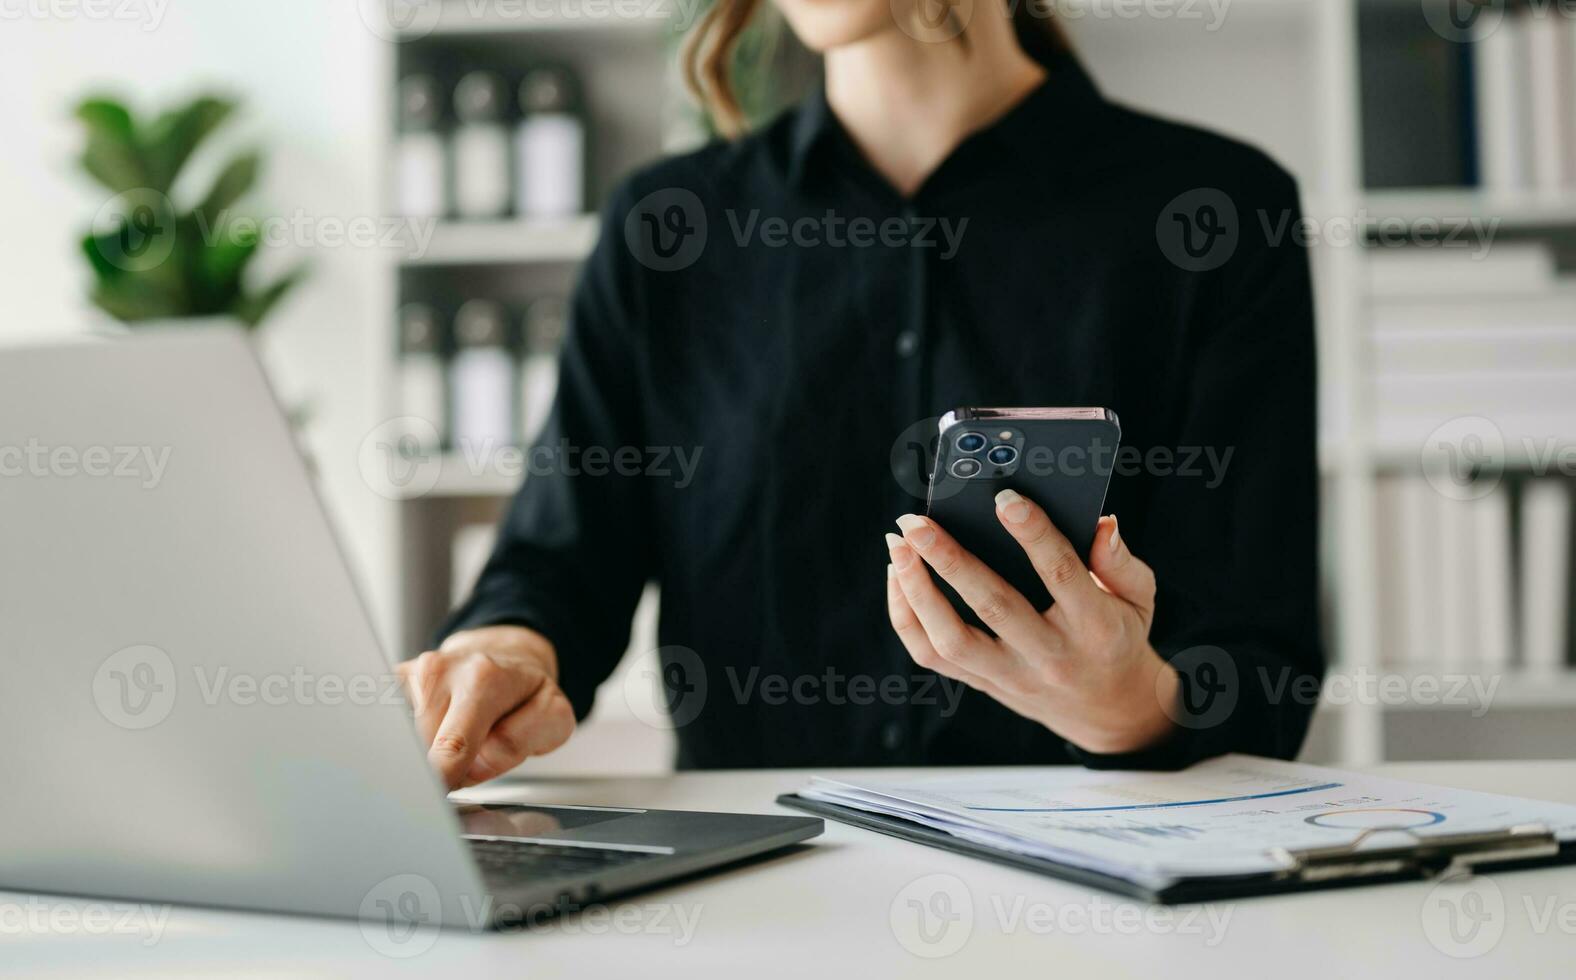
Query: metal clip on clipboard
(1438,856)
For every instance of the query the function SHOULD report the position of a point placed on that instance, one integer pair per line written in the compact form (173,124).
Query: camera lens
(1002,455)
(966,468)
(971,442)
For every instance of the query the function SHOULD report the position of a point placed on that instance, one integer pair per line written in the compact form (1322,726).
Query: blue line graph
(1154,806)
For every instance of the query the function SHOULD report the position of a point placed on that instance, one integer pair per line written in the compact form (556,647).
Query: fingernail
(1116,536)
(901,556)
(891,571)
(1012,506)
(916,531)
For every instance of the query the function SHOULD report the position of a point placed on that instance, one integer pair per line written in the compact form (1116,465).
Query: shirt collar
(1067,91)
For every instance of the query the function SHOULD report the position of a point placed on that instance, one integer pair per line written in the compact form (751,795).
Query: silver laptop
(194,705)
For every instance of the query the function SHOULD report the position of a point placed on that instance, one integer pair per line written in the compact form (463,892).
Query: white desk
(837,908)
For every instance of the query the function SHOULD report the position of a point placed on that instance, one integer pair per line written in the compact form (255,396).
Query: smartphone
(1060,458)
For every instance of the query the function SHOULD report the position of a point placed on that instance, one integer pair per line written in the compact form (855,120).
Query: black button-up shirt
(760,346)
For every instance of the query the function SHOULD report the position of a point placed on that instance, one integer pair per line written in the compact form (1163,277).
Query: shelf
(506,242)
(1518,688)
(1519,210)
(462,18)
(461,478)
(1541,458)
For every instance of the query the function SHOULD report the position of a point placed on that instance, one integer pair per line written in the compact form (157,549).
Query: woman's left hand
(1084,668)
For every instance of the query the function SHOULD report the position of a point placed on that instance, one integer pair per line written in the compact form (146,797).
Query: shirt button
(892,735)
(907,343)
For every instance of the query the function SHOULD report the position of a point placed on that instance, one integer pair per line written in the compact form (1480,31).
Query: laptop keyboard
(516,861)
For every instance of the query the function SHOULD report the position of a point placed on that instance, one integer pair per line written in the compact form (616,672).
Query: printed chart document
(1226,816)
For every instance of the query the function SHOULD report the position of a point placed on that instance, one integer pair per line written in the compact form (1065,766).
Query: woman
(957,218)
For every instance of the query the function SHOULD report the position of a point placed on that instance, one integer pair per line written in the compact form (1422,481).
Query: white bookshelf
(507,242)
(621,55)
(1526,211)
(1302,106)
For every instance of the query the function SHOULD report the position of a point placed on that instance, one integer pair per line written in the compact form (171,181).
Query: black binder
(1434,856)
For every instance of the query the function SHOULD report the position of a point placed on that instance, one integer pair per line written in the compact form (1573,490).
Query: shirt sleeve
(1234,546)
(573,551)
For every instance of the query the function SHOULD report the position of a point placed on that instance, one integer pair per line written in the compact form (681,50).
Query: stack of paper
(1227,816)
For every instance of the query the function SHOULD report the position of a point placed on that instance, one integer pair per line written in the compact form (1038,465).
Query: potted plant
(154,260)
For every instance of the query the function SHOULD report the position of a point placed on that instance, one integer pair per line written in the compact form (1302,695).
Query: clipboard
(1524,846)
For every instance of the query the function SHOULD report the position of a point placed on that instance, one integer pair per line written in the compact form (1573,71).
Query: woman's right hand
(486,701)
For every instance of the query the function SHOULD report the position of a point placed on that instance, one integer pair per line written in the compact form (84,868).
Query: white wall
(311,75)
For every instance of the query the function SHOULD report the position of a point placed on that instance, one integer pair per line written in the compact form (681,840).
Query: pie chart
(1376,818)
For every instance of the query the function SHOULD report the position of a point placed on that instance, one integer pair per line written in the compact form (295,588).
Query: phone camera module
(971,442)
(1002,455)
(966,469)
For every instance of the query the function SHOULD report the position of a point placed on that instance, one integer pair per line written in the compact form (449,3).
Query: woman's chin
(822,26)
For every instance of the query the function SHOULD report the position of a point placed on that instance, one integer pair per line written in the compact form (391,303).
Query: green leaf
(232,183)
(142,231)
(112,155)
(175,135)
(102,114)
(93,246)
(204,254)
(134,297)
(219,267)
(253,307)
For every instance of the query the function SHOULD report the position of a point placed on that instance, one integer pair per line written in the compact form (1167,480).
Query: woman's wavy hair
(708,56)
